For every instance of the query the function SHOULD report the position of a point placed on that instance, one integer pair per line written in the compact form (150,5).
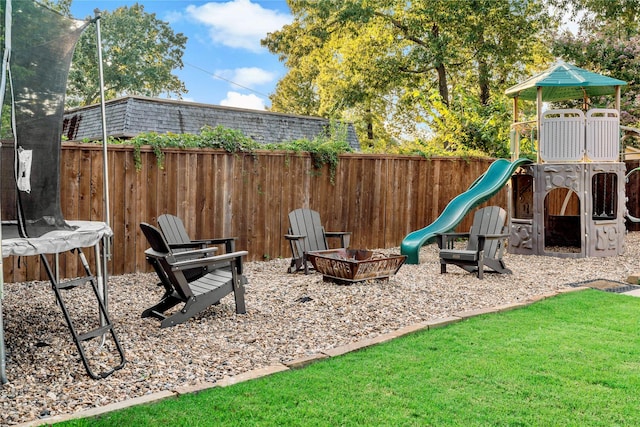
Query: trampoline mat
(83,234)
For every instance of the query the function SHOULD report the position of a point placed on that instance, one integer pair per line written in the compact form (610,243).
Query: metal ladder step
(73,283)
(106,326)
(95,332)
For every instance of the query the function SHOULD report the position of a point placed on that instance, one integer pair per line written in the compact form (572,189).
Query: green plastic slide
(480,191)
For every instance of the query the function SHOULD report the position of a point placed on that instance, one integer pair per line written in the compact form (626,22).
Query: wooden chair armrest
(454,234)
(294,236)
(186,254)
(202,262)
(229,242)
(194,253)
(494,236)
(187,245)
(444,239)
(337,233)
(215,241)
(483,237)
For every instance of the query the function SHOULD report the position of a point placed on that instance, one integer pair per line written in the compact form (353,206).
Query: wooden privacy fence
(380,198)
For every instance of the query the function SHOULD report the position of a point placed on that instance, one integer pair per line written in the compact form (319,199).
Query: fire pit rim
(351,270)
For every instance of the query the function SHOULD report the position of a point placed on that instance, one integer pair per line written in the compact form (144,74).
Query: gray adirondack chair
(176,235)
(195,293)
(178,239)
(485,244)
(307,234)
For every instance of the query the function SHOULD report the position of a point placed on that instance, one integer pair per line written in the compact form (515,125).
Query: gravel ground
(289,316)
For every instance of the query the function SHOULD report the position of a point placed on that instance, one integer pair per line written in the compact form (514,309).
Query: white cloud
(172,17)
(235,99)
(248,76)
(238,23)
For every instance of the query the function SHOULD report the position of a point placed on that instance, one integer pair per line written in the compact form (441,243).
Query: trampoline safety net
(40,44)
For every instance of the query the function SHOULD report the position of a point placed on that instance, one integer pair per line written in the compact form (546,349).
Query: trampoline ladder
(106,327)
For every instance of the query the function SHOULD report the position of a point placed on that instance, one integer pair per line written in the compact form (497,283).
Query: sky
(224,63)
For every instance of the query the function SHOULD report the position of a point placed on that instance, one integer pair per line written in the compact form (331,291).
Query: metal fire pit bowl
(354,265)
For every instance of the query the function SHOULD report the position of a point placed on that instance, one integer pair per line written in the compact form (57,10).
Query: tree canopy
(380,63)
(419,76)
(140,53)
(420,73)
(607,42)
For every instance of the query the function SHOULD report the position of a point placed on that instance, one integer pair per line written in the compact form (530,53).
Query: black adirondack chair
(178,239)
(195,293)
(307,234)
(485,244)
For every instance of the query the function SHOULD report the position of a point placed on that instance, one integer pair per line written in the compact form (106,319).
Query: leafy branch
(324,149)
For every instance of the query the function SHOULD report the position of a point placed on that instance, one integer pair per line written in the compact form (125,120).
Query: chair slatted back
(173,229)
(489,220)
(155,239)
(161,258)
(307,222)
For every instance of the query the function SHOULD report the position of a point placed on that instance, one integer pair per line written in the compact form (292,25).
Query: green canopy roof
(565,81)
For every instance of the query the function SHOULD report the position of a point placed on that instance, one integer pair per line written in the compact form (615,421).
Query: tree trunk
(483,71)
(443,88)
(483,81)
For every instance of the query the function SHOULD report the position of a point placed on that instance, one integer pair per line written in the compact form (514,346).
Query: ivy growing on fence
(324,149)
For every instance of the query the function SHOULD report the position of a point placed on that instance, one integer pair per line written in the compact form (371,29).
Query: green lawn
(572,360)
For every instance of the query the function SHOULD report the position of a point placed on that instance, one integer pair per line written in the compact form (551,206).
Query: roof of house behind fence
(131,115)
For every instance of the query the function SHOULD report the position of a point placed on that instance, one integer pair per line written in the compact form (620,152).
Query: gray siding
(129,116)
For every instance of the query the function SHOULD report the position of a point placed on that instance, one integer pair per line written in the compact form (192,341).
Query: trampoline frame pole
(3,85)
(106,252)
(104,120)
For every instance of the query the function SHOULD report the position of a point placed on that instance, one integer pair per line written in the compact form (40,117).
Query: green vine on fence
(230,140)
(324,149)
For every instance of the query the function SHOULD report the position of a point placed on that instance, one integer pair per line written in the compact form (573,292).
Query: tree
(608,42)
(139,54)
(379,61)
(62,6)
(618,16)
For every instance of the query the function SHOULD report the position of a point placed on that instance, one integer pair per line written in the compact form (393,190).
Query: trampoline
(36,54)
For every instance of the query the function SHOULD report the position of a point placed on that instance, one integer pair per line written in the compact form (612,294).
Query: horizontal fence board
(379,198)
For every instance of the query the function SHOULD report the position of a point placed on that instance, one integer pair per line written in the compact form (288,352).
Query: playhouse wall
(562,136)
(568,136)
(606,237)
(598,238)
